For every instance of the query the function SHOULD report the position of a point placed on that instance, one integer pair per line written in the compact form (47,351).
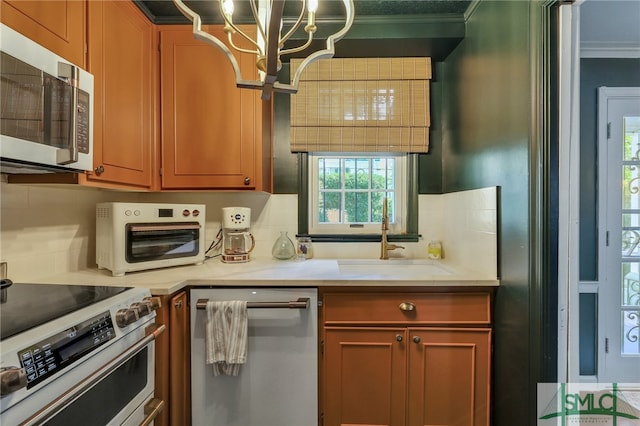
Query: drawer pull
(399,337)
(407,306)
(416,339)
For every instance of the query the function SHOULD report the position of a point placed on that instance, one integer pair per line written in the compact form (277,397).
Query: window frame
(397,216)
(410,233)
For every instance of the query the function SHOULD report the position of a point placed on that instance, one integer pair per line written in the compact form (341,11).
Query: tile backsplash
(49,230)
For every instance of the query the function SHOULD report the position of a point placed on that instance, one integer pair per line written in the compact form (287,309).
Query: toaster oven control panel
(46,358)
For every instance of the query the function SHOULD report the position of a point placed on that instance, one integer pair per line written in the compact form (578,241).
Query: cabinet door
(121,58)
(58,25)
(211,130)
(449,376)
(365,376)
(179,361)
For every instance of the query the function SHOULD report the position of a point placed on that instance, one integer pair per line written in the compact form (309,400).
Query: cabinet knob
(99,170)
(247,180)
(12,379)
(178,304)
(399,337)
(407,306)
(416,339)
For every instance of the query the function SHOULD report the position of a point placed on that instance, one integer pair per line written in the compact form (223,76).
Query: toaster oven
(139,236)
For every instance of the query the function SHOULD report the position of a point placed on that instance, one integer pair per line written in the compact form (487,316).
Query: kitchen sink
(397,268)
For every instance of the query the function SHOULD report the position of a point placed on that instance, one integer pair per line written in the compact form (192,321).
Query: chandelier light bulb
(227,8)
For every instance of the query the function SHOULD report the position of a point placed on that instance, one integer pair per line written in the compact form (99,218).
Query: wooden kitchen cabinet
(122,58)
(58,25)
(212,131)
(173,359)
(425,362)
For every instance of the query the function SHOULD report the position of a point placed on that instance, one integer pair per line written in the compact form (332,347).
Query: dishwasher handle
(301,303)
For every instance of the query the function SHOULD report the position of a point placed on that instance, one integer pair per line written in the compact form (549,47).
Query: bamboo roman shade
(362,105)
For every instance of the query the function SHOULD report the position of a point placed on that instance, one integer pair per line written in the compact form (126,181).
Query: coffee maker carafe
(237,241)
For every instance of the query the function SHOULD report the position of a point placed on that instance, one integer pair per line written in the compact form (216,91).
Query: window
(346,193)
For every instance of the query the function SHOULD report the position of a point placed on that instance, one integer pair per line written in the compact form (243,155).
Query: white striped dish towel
(226,336)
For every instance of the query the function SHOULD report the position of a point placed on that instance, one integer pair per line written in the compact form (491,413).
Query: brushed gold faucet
(385,246)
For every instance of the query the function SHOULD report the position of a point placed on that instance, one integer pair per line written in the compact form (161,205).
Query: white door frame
(569,192)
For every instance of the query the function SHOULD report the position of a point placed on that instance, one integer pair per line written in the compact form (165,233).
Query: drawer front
(407,308)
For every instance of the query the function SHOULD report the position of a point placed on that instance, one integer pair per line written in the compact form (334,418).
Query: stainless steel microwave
(138,236)
(46,112)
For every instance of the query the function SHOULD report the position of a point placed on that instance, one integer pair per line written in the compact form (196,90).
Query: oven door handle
(61,402)
(151,228)
(151,411)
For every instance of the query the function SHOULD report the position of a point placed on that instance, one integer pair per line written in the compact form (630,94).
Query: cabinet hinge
(609,130)
(606,345)
(160,171)
(322,347)
(321,419)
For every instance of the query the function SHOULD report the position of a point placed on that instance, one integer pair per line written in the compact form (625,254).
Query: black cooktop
(24,306)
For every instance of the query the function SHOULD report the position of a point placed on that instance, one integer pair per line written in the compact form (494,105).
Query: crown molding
(596,49)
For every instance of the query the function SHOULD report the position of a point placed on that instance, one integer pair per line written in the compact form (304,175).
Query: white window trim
(397,226)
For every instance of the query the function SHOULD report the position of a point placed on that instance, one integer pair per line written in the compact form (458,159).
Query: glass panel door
(619,297)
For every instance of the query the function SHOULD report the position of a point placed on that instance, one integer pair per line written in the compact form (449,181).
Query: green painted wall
(486,142)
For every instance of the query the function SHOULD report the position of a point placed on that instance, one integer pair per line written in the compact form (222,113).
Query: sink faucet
(385,247)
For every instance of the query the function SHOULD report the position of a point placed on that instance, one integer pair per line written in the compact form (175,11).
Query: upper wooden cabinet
(212,131)
(122,58)
(60,26)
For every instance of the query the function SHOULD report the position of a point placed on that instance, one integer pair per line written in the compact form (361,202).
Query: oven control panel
(48,357)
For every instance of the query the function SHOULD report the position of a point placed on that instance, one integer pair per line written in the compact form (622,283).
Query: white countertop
(291,273)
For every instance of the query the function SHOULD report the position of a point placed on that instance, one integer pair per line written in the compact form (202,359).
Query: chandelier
(268,46)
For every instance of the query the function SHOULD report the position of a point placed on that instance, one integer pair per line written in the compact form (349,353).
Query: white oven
(92,366)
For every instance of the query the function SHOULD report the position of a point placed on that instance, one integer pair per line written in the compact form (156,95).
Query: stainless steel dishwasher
(277,386)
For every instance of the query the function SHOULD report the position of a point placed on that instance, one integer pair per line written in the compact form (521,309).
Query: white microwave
(140,236)
(46,109)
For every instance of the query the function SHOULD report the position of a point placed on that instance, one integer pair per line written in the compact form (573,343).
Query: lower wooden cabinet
(366,376)
(449,376)
(173,383)
(384,367)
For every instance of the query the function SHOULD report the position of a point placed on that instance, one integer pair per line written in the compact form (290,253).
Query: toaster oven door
(155,241)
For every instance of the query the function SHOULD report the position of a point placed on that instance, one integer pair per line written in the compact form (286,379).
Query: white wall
(46,230)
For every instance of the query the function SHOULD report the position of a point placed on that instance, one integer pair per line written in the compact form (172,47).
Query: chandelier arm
(244,35)
(208,38)
(296,25)
(259,25)
(299,48)
(330,50)
(240,49)
(230,28)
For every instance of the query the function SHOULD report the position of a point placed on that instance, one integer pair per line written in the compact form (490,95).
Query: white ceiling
(611,26)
